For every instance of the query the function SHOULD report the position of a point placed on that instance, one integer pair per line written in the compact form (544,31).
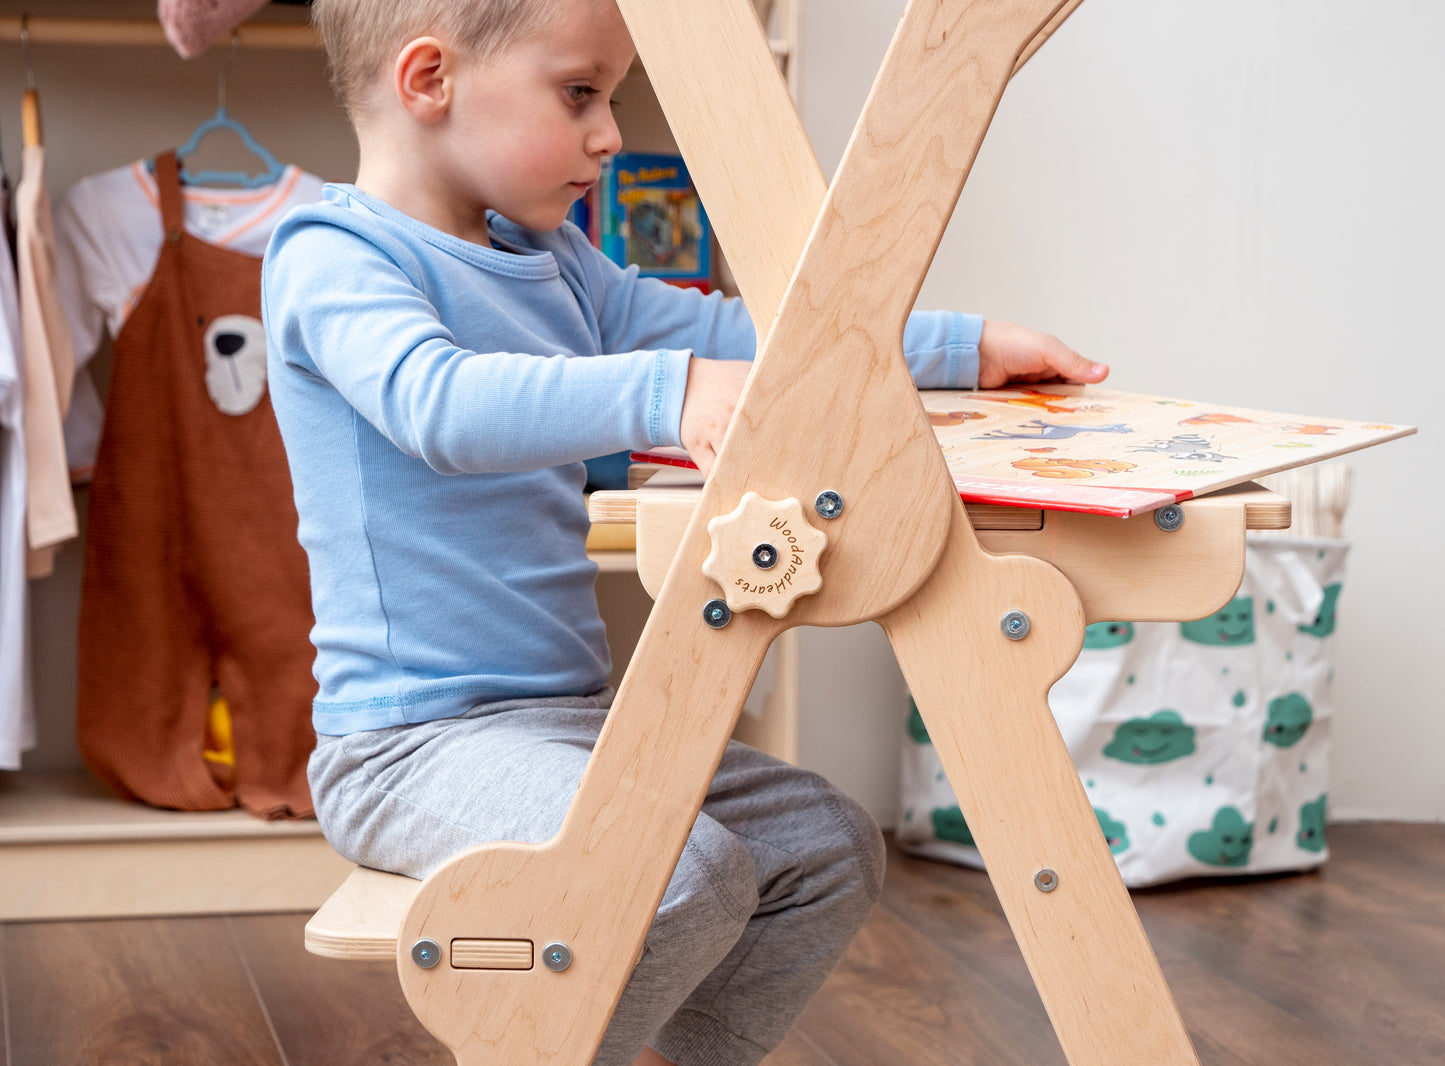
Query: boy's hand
(1007,352)
(713,387)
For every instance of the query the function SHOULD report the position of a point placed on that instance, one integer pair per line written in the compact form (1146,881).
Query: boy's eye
(579,93)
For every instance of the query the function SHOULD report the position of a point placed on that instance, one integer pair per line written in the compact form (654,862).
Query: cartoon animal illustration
(917,731)
(1116,833)
(1226,843)
(1071,468)
(1161,737)
(1311,835)
(1052,402)
(1108,635)
(1186,447)
(948,824)
(1052,431)
(1215,418)
(235,351)
(939,419)
(1324,623)
(1232,624)
(1289,717)
(1309,429)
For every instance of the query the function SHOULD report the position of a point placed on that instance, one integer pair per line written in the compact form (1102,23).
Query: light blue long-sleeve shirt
(437,399)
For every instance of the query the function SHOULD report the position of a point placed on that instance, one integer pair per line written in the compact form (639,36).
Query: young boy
(444,354)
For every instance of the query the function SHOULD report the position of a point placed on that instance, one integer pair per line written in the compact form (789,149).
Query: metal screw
(765,557)
(1046,880)
(716,613)
(556,956)
(426,953)
(1169,517)
(1015,625)
(828,504)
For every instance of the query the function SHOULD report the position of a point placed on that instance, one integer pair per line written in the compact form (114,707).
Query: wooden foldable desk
(515,954)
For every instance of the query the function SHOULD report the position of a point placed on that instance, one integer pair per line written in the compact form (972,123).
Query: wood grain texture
(1122,569)
(746,149)
(837,340)
(330,1013)
(1267,970)
(1016,785)
(360,919)
(139,992)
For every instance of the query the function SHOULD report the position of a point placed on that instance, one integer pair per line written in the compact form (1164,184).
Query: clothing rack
(133,33)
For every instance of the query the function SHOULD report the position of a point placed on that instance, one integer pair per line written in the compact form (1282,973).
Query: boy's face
(528,128)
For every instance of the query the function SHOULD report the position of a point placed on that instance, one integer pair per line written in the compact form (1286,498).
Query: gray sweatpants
(778,875)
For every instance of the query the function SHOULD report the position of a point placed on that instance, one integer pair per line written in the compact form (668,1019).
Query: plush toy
(192,26)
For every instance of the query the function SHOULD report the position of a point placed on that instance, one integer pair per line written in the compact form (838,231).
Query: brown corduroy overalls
(193,575)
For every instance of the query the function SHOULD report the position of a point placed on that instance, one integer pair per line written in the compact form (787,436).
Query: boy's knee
(712,894)
(861,855)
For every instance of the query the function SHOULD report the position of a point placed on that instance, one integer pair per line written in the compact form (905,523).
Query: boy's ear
(422,79)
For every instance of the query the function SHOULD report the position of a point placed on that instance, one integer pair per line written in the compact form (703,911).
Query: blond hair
(363,36)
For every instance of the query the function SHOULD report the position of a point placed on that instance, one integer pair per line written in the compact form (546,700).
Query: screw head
(1015,625)
(716,613)
(1169,517)
(828,504)
(426,953)
(556,956)
(765,557)
(1046,880)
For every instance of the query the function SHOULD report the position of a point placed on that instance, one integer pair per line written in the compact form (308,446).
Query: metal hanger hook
(225,70)
(25,50)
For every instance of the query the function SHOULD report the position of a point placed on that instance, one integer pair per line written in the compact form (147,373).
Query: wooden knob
(765,554)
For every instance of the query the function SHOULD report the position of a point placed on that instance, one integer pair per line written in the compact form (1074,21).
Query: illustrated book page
(1100,451)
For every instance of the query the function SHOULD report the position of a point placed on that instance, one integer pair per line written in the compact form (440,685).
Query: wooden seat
(360,919)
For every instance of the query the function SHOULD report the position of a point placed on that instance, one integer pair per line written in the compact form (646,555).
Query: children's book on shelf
(1099,451)
(646,213)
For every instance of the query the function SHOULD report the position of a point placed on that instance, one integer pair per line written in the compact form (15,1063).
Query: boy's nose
(606,138)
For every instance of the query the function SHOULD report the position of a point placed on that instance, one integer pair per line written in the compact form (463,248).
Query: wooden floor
(1342,967)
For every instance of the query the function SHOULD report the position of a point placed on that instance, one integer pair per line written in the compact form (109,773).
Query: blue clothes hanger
(222,120)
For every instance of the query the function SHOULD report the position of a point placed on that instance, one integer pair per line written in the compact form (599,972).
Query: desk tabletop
(1101,451)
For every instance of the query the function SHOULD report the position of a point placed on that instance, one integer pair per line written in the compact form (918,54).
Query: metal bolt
(716,613)
(1046,880)
(828,504)
(426,953)
(1169,517)
(1015,625)
(556,956)
(765,557)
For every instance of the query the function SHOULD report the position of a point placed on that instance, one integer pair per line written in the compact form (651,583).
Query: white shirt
(17,717)
(108,235)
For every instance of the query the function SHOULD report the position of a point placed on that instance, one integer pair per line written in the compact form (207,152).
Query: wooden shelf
(144,33)
(69,848)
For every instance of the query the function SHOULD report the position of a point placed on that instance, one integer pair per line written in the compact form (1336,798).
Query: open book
(1098,451)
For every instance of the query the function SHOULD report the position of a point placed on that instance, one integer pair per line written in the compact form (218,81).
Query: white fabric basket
(1204,747)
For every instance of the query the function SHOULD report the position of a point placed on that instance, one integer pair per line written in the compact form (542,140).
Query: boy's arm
(642,313)
(370,333)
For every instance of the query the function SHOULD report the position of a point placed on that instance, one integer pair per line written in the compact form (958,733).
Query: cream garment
(49,370)
(108,236)
(17,719)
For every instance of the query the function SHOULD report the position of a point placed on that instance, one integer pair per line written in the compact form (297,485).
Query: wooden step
(361,918)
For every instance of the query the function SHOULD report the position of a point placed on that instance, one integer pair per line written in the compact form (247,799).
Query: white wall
(1235,201)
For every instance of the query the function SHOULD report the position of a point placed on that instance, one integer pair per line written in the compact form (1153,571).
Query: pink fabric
(192,26)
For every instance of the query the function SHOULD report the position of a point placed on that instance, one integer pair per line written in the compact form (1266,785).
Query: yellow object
(618,537)
(218,746)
